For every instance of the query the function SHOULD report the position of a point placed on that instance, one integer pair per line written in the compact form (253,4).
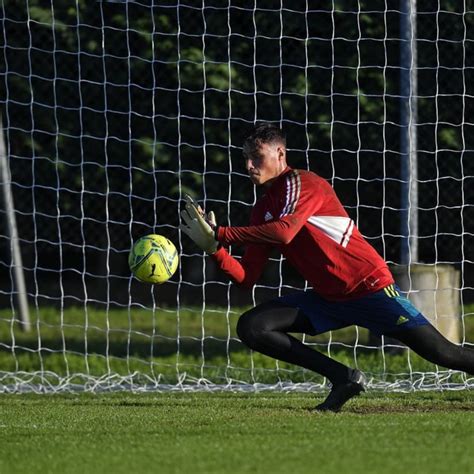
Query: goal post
(112,111)
(17,277)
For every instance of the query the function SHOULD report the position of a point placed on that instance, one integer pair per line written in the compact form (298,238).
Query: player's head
(264,152)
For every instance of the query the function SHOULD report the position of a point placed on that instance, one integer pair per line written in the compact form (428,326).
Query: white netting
(112,110)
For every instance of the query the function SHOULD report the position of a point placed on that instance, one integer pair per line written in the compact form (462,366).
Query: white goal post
(111,111)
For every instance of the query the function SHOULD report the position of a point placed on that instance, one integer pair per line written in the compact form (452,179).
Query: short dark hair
(263,133)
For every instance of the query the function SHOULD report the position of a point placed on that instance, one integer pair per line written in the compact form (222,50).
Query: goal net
(111,111)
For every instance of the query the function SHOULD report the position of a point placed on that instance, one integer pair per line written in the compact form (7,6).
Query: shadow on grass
(385,408)
(122,348)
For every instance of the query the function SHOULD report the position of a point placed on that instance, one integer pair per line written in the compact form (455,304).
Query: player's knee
(249,329)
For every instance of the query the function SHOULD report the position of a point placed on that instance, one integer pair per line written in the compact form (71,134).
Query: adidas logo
(401,320)
(268,217)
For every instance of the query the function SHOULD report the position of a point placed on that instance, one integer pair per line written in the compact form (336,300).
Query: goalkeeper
(301,216)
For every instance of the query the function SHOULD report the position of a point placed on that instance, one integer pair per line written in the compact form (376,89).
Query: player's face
(265,163)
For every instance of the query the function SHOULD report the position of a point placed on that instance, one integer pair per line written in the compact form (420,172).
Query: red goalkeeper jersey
(302,217)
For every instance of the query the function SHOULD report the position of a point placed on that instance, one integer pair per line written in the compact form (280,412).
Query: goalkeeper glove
(199,226)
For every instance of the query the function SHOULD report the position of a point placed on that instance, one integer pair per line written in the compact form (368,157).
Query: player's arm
(302,201)
(247,271)
(278,232)
(200,227)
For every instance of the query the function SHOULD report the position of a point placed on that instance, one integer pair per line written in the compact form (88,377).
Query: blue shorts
(382,312)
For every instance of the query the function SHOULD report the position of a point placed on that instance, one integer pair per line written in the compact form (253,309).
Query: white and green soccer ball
(153,259)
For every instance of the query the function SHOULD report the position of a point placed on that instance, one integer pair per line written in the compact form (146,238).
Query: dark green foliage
(113,110)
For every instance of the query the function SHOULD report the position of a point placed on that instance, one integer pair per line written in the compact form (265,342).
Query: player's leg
(265,329)
(430,344)
(392,314)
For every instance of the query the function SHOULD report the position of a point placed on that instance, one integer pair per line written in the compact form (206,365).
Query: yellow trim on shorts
(391,291)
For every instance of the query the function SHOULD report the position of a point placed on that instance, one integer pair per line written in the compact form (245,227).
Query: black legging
(265,327)
(430,344)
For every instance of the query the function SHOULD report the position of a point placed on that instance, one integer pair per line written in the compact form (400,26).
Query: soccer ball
(153,259)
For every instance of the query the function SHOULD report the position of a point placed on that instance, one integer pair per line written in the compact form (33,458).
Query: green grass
(425,432)
(167,345)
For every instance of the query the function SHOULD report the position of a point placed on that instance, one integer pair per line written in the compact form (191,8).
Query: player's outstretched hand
(210,218)
(199,226)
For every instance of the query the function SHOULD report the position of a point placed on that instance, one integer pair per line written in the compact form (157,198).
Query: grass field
(424,432)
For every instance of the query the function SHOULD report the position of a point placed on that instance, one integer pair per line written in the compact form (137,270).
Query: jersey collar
(282,175)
